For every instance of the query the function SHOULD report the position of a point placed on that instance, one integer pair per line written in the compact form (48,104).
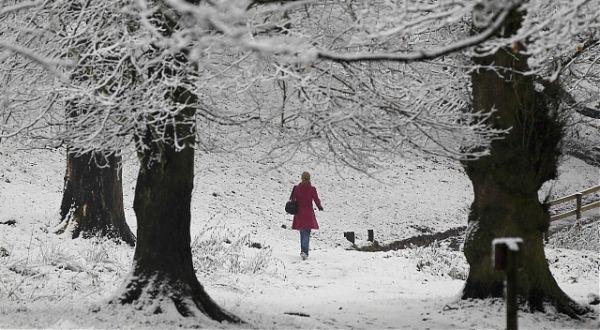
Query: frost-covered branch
(351,79)
(22,5)
(421,54)
(47,63)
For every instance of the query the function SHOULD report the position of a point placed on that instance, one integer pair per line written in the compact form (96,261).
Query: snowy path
(338,288)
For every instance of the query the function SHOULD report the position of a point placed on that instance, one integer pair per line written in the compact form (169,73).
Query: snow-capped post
(349,235)
(371,235)
(506,255)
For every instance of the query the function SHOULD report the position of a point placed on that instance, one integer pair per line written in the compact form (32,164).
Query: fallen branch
(415,241)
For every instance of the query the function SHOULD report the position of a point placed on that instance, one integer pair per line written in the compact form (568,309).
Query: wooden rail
(579,208)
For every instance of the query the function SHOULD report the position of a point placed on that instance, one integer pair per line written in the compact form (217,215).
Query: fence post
(511,290)
(349,236)
(506,256)
(578,207)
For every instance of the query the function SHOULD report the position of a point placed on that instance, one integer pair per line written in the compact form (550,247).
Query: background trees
(42,111)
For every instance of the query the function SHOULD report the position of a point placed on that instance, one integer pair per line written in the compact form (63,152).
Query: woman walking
(304,219)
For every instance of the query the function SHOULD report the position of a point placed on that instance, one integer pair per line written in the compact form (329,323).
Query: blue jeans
(304,240)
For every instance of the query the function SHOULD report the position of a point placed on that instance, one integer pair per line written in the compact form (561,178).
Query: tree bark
(162,266)
(506,182)
(92,203)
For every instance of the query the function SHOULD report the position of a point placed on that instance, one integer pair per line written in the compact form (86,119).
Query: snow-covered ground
(48,281)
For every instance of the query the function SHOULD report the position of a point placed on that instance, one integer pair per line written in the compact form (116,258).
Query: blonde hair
(305,177)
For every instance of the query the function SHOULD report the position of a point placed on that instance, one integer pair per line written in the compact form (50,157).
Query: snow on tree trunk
(92,203)
(506,182)
(163,273)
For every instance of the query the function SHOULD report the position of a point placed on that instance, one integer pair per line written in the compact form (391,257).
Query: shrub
(218,248)
(440,260)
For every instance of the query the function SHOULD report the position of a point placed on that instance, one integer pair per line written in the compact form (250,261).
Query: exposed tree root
(158,294)
(71,224)
(535,298)
(538,299)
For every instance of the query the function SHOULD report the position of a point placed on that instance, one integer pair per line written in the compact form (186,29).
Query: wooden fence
(579,208)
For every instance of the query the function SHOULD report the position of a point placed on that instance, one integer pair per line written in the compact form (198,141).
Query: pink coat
(305,218)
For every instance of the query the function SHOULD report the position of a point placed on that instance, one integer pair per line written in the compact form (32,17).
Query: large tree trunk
(507,181)
(162,265)
(92,203)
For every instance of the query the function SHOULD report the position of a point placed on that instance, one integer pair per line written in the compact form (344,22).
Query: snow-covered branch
(421,54)
(19,6)
(353,79)
(47,63)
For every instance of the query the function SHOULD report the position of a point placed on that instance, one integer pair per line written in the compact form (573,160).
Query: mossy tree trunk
(162,265)
(92,203)
(506,182)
